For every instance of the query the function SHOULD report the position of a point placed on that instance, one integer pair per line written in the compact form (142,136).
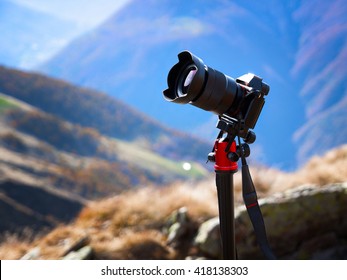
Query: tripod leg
(225,190)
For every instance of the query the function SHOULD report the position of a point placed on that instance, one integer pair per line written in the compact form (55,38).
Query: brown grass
(14,248)
(129,225)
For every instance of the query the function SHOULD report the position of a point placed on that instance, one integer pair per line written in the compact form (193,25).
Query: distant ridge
(101,112)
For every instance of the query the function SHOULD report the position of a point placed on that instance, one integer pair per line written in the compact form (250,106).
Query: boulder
(77,244)
(208,238)
(85,253)
(177,226)
(308,222)
(32,254)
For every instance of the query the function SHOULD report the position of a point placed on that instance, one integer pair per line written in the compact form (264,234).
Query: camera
(238,104)
(239,101)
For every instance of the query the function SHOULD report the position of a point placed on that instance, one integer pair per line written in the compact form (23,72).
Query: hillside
(45,159)
(134,225)
(104,114)
(29,209)
(71,138)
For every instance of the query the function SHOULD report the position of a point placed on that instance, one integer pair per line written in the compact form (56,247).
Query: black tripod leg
(225,190)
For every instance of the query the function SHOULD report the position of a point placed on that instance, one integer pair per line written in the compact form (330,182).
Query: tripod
(225,155)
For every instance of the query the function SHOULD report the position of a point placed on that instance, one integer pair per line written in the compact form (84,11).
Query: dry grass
(148,207)
(14,248)
(126,226)
(147,244)
(331,168)
(129,226)
(319,171)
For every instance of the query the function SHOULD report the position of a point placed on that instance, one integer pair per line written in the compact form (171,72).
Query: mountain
(320,65)
(108,116)
(38,146)
(30,36)
(52,156)
(297,47)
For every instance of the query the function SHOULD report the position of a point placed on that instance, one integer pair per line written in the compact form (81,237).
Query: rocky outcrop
(308,222)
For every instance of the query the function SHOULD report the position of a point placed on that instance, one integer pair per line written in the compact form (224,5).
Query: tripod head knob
(233,156)
(245,149)
(211,157)
(250,137)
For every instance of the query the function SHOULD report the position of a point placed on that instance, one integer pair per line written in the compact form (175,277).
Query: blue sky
(31,45)
(87,14)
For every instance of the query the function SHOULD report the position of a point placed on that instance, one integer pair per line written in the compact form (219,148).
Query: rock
(78,244)
(33,254)
(190,258)
(178,225)
(304,223)
(84,253)
(208,238)
(304,214)
(176,231)
(181,230)
(178,216)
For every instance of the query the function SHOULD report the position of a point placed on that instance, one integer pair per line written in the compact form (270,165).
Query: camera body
(241,100)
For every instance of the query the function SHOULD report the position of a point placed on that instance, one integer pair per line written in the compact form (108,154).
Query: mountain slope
(50,168)
(297,47)
(101,112)
(74,150)
(35,208)
(320,64)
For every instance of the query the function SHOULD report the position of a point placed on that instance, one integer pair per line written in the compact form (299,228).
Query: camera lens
(191,81)
(189,77)
(186,80)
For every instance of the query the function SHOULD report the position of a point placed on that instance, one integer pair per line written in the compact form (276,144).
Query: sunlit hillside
(58,137)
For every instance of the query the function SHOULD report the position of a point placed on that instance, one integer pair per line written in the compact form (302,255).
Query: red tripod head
(222,160)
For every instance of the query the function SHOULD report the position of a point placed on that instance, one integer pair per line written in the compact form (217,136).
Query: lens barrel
(191,81)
